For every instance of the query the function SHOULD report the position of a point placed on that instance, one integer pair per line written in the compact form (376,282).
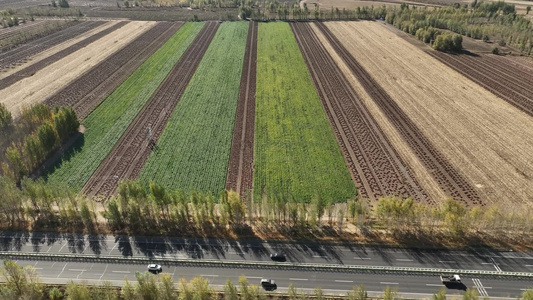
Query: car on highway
(278,257)
(155,269)
(268,284)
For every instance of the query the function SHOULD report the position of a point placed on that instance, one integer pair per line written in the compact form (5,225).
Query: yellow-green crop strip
(193,150)
(106,124)
(296,154)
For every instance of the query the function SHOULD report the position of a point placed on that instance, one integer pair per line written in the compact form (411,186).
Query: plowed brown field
(487,140)
(132,150)
(51,78)
(513,84)
(376,167)
(240,167)
(33,68)
(86,92)
(10,59)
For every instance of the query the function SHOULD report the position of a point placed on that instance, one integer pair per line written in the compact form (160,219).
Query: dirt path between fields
(241,163)
(130,153)
(36,88)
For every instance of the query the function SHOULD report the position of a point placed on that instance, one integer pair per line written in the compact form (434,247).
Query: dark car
(278,257)
(268,284)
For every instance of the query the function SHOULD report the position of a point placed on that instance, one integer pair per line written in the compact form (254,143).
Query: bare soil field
(376,167)
(39,65)
(11,31)
(241,162)
(51,78)
(494,73)
(487,140)
(17,59)
(12,56)
(88,90)
(422,176)
(132,150)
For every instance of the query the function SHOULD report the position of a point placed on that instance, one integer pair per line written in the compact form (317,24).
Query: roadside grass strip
(296,154)
(193,150)
(106,124)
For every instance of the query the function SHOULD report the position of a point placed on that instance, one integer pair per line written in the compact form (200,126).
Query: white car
(153,268)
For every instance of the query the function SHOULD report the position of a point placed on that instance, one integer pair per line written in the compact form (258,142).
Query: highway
(409,285)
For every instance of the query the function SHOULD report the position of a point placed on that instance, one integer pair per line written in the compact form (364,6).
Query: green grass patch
(296,154)
(195,146)
(106,124)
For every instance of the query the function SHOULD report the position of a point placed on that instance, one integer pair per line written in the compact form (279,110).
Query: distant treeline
(28,140)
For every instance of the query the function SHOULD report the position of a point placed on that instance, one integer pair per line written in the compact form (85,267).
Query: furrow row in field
(132,150)
(33,68)
(296,155)
(11,31)
(376,167)
(88,90)
(193,150)
(514,90)
(34,47)
(449,179)
(108,122)
(241,163)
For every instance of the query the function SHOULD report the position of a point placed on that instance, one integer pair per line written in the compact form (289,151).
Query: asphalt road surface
(412,286)
(212,249)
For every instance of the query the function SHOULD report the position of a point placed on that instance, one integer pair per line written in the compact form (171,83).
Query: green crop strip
(106,124)
(296,154)
(193,151)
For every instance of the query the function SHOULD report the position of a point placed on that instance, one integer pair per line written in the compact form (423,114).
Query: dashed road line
(124,272)
(495,265)
(105,270)
(62,270)
(403,259)
(300,279)
(389,283)
(208,275)
(361,258)
(350,281)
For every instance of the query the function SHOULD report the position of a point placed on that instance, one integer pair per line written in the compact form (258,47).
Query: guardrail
(263,265)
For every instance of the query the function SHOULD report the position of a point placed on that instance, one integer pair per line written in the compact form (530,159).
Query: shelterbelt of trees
(441,26)
(151,209)
(27,141)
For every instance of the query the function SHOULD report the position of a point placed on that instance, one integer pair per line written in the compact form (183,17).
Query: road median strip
(262,265)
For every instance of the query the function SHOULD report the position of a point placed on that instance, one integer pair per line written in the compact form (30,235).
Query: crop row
(193,151)
(296,153)
(107,123)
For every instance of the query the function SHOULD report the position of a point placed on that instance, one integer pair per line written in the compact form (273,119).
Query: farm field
(15,59)
(296,153)
(88,90)
(377,169)
(239,177)
(14,36)
(31,69)
(194,149)
(133,149)
(36,88)
(482,137)
(108,122)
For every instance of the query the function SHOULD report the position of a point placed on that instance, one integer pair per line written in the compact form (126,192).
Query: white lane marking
(208,275)
(529,265)
(38,268)
(319,256)
(62,247)
(62,270)
(403,259)
(77,270)
(105,270)
(480,288)
(301,279)
(432,284)
(124,272)
(114,246)
(253,277)
(389,283)
(496,265)
(487,263)
(361,258)
(447,261)
(344,281)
